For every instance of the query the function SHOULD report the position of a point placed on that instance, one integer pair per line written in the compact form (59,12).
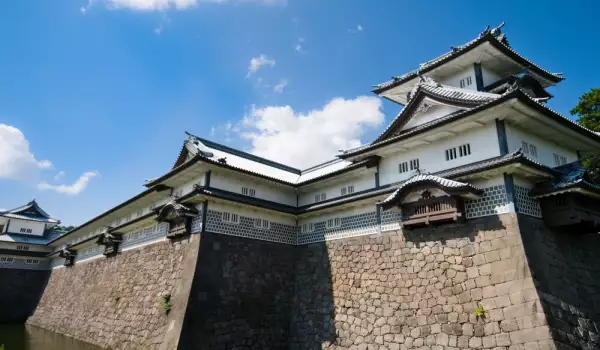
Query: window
(6,259)
(347,190)
(463,151)
(320,197)
(230,218)
(307,227)
(403,167)
(262,224)
(466,82)
(152,206)
(451,153)
(559,160)
(128,218)
(529,149)
(22,247)
(32,261)
(118,222)
(333,223)
(248,191)
(25,230)
(414,164)
(139,213)
(178,193)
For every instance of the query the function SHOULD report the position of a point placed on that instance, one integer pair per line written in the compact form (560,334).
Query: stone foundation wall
(419,289)
(566,270)
(113,302)
(20,293)
(241,295)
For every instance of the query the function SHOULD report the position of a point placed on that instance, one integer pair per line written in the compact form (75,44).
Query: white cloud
(302,140)
(59,175)
(299,46)
(73,189)
(359,28)
(161,5)
(280,86)
(258,62)
(16,160)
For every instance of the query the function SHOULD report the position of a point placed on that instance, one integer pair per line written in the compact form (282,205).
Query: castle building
(474,145)
(24,233)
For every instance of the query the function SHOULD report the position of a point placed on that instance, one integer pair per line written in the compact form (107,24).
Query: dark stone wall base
(20,293)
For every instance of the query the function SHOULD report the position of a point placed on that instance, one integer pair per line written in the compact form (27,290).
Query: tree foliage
(63,228)
(588,112)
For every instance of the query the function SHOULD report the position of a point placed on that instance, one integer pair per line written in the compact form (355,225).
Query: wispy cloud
(73,189)
(162,5)
(359,28)
(59,175)
(300,46)
(280,86)
(256,63)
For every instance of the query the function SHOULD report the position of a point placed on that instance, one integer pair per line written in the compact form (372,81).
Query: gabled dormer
(430,101)
(485,59)
(29,219)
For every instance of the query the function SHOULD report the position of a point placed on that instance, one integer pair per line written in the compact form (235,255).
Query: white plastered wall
(249,212)
(15,226)
(489,76)
(431,114)
(454,80)
(432,157)
(268,191)
(545,148)
(332,189)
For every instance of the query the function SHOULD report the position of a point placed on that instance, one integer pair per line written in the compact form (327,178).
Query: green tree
(588,112)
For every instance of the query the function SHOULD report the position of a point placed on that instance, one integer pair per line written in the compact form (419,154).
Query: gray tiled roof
(572,175)
(442,182)
(493,34)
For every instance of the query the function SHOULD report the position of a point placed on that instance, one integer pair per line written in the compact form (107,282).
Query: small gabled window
(529,149)
(403,167)
(262,223)
(414,164)
(307,227)
(248,191)
(333,223)
(559,160)
(230,218)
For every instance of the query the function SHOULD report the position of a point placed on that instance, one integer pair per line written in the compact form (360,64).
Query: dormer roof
(432,92)
(491,42)
(30,211)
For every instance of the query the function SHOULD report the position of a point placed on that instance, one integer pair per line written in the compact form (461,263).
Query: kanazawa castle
(474,137)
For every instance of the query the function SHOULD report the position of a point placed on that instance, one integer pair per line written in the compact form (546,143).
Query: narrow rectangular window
(469,81)
(403,167)
(351,189)
(323,196)
(414,164)
(343,191)
(6,259)
(529,149)
(307,227)
(317,198)
(462,83)
(252,192)
(139,213)
(559,160)
(32,261)
(451,153)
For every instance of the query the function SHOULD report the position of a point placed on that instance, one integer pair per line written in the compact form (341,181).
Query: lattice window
(25,230)
(493,202)
(529,149)
(32,261)
(525,204)
(249,191)
(22,247)
(559,160)
(262,223)
(403,167)
(320,197)
(230,218)
(7,259)
(347,190)
(280,233)
(334,222)
(307,227)
(197,223)
(350,226)
(414,164)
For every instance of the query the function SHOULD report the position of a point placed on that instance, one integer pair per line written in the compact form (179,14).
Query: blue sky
(103,91)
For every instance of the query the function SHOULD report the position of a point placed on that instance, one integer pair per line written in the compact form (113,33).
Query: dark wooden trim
(32,253)
(207,178)
(204,213)
(510,190)
(478,76)
(502,141)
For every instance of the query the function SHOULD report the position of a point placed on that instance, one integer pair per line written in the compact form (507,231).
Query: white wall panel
(545,148)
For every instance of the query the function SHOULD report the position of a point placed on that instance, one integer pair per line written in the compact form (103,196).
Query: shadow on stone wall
(313,311)
(20,293)
(241,295)
(565,267)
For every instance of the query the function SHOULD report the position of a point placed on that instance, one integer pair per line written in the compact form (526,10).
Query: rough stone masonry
(417,289)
